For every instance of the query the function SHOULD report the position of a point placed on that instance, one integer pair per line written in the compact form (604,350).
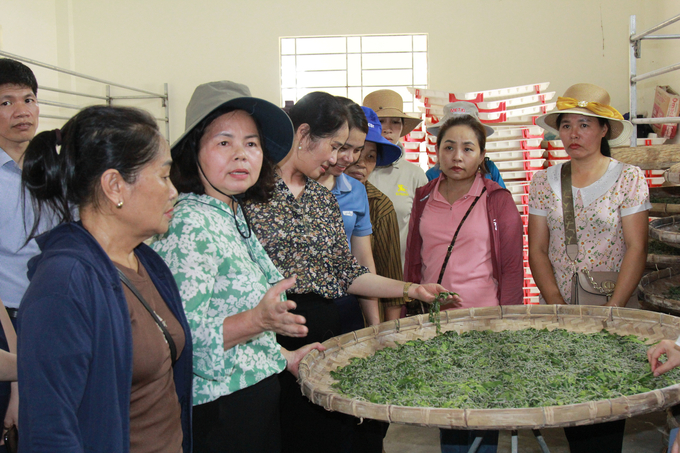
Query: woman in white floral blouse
(611,203)
(233,296)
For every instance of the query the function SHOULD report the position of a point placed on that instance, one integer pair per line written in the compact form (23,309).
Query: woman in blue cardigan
(105,352)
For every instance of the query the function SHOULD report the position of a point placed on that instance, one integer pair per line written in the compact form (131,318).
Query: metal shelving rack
(634,77)
(107,98)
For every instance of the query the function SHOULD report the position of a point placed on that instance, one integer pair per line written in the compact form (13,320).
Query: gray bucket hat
(458,108)
(275,125)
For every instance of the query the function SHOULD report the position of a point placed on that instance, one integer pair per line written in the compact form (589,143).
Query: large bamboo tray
(666,230)
(316,382)
(653,287)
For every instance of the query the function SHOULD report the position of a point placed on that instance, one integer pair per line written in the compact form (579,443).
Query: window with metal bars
(353,66)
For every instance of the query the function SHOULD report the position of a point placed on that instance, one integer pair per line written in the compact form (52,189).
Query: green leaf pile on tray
(508,369)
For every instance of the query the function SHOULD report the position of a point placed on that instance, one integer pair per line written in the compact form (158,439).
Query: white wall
(474,45)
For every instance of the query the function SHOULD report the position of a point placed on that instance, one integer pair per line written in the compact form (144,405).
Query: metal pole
(108,95)
(656,72)
(669,119)
(514,442)
(475,444)
(57,90)
(541,441)
(632,85)
(76,74)
(655,28)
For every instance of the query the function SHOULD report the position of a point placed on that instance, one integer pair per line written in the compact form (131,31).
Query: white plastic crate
(526,143)
(479,96)
(510,132)
(515,154)
(411,145)
(515,113)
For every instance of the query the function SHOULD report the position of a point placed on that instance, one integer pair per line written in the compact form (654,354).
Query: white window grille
(353,66)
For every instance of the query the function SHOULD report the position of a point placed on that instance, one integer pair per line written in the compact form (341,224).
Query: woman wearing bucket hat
(452,241)
(301,230)
(610,210)
(232,294)
(464,108)
(399,180)
(378,151)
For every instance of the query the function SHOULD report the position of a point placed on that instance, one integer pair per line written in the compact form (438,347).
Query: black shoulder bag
(171,343)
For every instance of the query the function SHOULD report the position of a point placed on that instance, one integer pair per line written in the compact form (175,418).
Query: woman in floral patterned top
(611,203)
(302,231)
(233,296)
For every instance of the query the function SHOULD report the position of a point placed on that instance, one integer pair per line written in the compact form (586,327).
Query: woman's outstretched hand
(272,313)
(429,291)
(667,347)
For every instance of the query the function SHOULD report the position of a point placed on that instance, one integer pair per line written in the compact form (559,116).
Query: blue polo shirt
(16,222)
(353,201)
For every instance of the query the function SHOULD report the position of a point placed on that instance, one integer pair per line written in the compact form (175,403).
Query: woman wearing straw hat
(399,180)
(301,229)
(610,204)
(232,294)
(380,152)
(464,108)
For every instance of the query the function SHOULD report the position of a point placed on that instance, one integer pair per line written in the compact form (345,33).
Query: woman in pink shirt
(474,219)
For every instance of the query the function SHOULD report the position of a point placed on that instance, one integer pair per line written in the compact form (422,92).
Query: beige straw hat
(589,100)
(389,104)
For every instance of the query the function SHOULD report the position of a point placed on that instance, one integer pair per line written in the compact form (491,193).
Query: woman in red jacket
(465,233)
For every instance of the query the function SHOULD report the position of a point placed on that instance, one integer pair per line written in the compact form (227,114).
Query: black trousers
(307,427)
(246,421)
(601,437)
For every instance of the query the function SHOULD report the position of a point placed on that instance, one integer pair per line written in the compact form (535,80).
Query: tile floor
(644,434)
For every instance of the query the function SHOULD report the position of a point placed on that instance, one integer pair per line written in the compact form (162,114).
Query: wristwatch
(406,287)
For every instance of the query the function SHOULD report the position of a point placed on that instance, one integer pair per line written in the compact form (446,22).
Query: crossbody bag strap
(453,241)
(570,239)
(173,348)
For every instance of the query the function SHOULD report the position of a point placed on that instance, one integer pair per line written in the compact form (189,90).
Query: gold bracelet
(406,287)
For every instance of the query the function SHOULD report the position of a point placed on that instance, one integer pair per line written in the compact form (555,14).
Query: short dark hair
(472,123)
(184,172)
(96,139)
(356,118)
(13,72)
(324,113)
(605,149)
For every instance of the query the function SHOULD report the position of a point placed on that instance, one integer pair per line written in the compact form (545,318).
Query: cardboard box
(666,104)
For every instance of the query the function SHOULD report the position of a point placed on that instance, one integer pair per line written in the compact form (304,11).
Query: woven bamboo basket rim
(657,301)
(316,382)
(653,259)
(658,231)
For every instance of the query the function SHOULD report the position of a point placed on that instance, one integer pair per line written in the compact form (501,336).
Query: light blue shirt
(15,224)
(353,201)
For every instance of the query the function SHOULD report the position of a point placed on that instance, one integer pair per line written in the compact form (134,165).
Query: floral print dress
(598,210)
(219,274)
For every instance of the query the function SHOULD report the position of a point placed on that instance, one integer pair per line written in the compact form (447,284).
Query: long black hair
(184,173)
(96,139)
